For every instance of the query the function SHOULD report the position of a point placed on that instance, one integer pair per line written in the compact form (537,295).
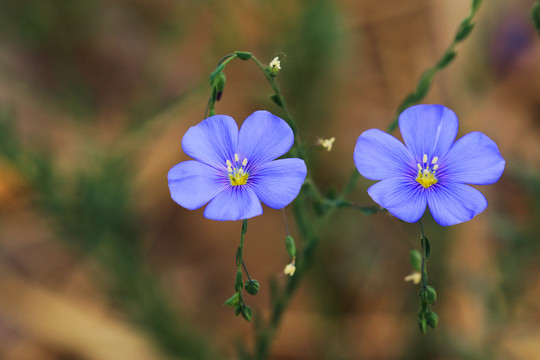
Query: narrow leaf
(446,59)
(464,30)
(428,247)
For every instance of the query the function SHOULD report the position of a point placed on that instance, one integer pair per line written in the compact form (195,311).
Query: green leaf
(243,55)
(216,72)
(238,282)
(446,59)
(428,247)
(233,300)
(423,84)
(464,29)
(475,5)
(276,99)
(416,259)
(408,101)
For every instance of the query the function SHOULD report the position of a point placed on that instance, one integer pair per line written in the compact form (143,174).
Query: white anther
(435,159)
(425,158)
(435,167)
(236,158)
(229,169)
(419,167)
(275,64)
(244,163)
(228,163)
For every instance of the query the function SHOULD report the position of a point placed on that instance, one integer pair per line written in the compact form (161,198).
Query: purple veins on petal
(428,129)
(193,184)
(213,141)
(277,183)
(234,171)
(401,197)
(431,169)
(235,203)
(474,159)
(455,203)
(264,137)
(379,155)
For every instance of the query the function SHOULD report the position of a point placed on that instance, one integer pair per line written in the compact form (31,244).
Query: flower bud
(252,286)
(429,295)
(219,83)
(247,313)
(416,259)
(274,67)
(291,247)
(432,320)
(423,326)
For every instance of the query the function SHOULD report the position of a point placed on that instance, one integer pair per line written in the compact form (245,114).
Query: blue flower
(430,169)
(233,170)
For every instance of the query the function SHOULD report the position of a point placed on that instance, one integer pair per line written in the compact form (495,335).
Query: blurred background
(96,260)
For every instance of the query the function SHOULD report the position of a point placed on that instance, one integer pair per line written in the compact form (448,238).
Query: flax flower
(233,171)
(430,168)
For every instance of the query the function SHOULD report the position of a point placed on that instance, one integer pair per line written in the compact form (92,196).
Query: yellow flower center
(237,174)
(426,174)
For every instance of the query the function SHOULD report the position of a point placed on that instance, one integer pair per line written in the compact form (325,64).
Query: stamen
(426,175)
(237,174)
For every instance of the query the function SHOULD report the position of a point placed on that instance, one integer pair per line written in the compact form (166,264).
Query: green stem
(424,264)
(212,98)
(425,80)
(239,253)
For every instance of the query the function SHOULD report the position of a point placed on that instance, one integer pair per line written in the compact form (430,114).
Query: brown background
(86,80)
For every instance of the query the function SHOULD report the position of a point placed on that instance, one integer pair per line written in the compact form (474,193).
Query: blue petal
(455,203)
(378,156)
(428,129)
(193,184)
(264,137)
(235,203)
(213,141)
(401,197)
(473,159)
(278,182)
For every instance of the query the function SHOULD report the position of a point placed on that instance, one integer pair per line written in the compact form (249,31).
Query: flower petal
(264,137)
(213,141)
(235,203)
(455,203)
(278,182)
(193,184)
(428,129)
(401,197)
(378,156)
(473,159)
